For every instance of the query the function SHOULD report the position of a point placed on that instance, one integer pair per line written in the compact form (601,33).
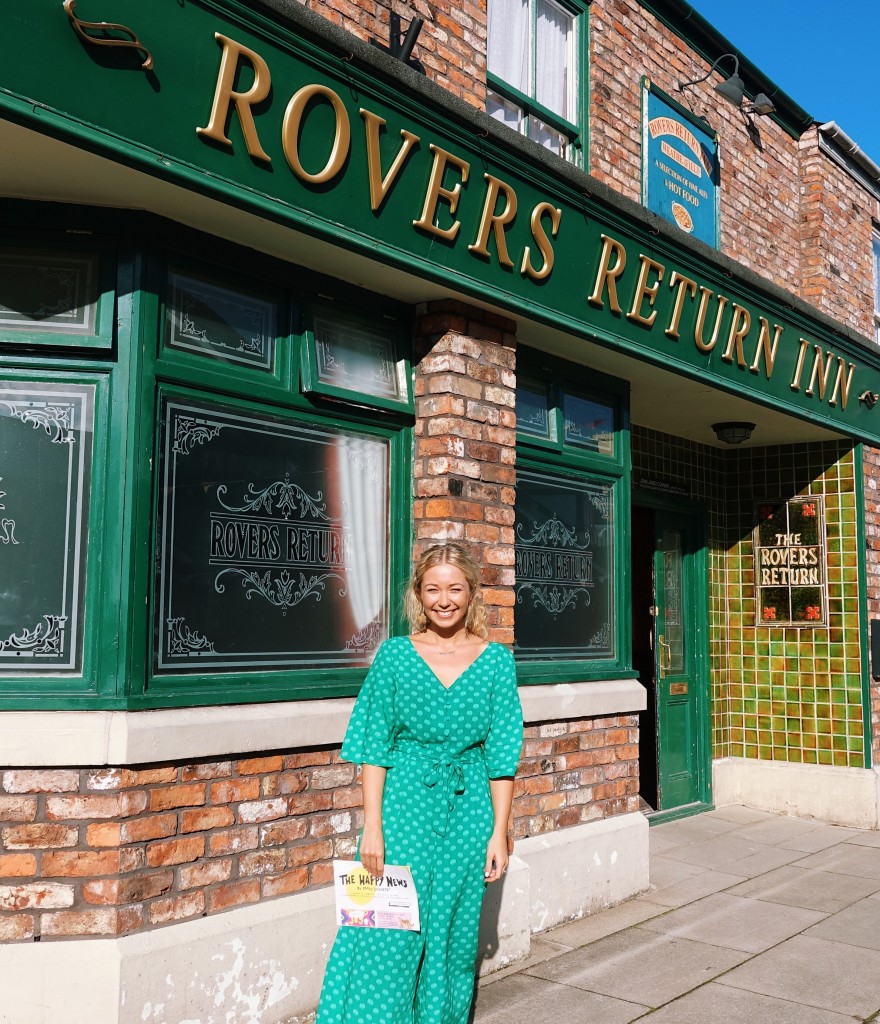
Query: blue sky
(823,53)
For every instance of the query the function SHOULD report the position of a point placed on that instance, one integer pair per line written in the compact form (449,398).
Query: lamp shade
(733,89)
(733,432)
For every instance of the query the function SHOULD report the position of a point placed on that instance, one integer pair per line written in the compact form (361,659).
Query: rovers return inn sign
(247,111)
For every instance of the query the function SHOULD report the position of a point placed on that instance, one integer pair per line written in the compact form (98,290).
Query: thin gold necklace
(453,649)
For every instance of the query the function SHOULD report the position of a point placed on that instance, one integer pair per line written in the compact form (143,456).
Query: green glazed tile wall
(778,693)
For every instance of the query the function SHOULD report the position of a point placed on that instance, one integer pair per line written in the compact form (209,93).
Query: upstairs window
(533,57)
(876,248)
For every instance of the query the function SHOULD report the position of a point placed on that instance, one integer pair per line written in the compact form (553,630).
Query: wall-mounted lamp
(733,89)
(733,432)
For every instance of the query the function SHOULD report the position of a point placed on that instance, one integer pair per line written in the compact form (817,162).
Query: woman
(438,728)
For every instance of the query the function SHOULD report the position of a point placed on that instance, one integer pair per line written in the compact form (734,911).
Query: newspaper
(363,901)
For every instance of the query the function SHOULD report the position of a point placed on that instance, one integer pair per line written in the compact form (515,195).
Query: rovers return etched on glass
(272,541)
(564,567)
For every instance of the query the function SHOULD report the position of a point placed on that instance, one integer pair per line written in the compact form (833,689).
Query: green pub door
(669,637)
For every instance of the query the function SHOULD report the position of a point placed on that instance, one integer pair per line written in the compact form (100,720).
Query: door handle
(665,655)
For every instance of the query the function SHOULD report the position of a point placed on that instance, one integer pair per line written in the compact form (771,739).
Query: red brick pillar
(465,459)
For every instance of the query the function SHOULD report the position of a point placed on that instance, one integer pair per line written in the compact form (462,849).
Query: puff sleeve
(504,741)
(369,738)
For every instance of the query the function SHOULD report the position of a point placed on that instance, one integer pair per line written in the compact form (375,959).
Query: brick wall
(574,772)
(837,273)
(451,45)
(759,184)
(871,471)
(464,474)
(109,851)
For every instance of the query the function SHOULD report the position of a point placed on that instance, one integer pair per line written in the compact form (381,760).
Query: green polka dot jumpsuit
(440,746)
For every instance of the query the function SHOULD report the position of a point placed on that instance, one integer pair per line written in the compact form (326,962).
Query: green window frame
(519,105)
(128,386)
(572,537)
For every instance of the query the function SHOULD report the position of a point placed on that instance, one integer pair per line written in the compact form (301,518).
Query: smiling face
(445,595)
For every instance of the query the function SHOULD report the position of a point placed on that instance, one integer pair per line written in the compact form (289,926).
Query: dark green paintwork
(97,98)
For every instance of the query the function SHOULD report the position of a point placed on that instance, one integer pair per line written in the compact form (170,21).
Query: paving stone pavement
(751,918)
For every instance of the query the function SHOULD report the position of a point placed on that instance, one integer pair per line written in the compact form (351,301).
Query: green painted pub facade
(267,297)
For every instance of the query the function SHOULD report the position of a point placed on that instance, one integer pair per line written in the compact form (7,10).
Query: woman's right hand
(373,850)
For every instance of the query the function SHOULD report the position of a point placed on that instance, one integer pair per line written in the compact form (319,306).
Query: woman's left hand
(496,858)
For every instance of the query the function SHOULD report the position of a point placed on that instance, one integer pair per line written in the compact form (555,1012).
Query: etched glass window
(588,424)
(46,434)
(532,409)
(358,357)
(219,320)
(273,542)
(564,567)
(48,292)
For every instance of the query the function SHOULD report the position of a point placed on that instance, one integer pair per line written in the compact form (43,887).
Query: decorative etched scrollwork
(183,640)
(367,639)
(366,461)
(555,599)
(56,420)
(82,29)
(281,590)
(288,497)
(189,431)
(602,636)
(555,533)
(602,501)
(45,640)
(7,526)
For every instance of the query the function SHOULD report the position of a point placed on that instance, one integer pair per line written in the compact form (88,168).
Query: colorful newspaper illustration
(363,901)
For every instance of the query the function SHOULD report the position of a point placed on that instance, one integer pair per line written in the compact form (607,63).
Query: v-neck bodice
(464,671)
(403,706)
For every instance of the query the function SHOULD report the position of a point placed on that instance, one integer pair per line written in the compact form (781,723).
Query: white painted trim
(841,796)
(90,738)
(263,964)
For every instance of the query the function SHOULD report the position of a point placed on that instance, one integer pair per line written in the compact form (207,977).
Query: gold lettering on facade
(608,275)
(646,291)
(290,132)
(766,348)
(380,186)
(682,284)
(437,191)
(492,222)
(740,323)
(842,387)
(224,95)
(542,241)
(821,372)
(700,326)
(798,370)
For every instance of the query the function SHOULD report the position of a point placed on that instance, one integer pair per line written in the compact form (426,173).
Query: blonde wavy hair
(447,554)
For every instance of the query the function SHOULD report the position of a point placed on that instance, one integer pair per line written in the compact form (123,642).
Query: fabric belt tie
(446,777)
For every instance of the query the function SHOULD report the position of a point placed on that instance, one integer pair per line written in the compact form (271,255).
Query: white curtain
(363,479)
(503,110)
(508,55)
(553,62)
